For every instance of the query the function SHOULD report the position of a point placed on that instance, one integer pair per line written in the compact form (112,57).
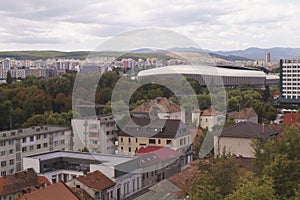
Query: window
(136,140)
(31,139)
(11,152)
(45,135)
(10,142)
(56,134)
(3,173)
(129,140)
(94,141)
(24,149)
(169,141)
(138,183)
(2,153)
(45,145)
(152,141)
(38,146)
(121,139)
(111,194)
(24,140)
(158,141)
(11,162)
(11,171)
(31,148)
(38,137)
(133,185)
(55,143)
(2,144)
(3,163)
(62,142)
(129,149)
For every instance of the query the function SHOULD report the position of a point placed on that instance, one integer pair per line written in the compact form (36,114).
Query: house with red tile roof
(210,118)
(15,185)
(291,118)
(96,184)
(162,108)
(246,114)
(57,191)
(158,165)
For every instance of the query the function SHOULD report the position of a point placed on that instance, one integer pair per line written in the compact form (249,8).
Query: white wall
(237,146)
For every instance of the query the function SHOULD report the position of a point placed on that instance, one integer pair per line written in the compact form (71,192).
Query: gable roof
(161,103)
(211,112)
(166,153)
(96,181)
(57,191)
(291,118)
(248,130)
(147,149)
(19,181)
(159,128)
(245,113)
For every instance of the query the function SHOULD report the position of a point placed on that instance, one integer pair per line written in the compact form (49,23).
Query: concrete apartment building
(289,82)
(15,144)
(97,134)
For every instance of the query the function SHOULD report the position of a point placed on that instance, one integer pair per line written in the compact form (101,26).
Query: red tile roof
(291,118)
(211,112)
(81,194)
(184,178)
(166,153)
(96,181)
(243,114)
(43,179)
(162,103)
(148,149)
(19,181)
(58,191)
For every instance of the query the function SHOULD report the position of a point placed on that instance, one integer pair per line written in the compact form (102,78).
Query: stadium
(228,76)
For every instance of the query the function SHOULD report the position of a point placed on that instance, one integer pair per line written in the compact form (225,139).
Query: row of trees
(20,101)
(274,173)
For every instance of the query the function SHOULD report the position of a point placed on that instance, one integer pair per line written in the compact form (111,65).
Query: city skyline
(221,25)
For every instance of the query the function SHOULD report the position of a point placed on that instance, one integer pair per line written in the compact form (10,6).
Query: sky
(84,25)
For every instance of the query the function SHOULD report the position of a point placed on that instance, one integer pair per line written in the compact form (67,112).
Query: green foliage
(219,179)
(252,188)
(278,158)
(9,79)
(35,120)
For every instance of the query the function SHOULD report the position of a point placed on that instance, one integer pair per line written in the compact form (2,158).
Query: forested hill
(43,55)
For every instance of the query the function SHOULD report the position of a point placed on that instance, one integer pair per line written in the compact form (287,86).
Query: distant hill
(36,55)
(259,53)
(252,53)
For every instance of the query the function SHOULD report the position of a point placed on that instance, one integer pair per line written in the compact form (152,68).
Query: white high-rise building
(289,81)
(97,134)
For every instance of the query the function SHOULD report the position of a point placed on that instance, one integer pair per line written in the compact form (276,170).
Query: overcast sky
(83,25)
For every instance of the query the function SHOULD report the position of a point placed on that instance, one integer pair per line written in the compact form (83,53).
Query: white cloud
(216,25)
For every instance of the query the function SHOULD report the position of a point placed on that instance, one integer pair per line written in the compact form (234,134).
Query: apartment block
(97,134)
(290,82)
(15,144)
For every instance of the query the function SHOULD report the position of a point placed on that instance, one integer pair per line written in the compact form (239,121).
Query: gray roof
(159,128)
(248,130)
(108,159)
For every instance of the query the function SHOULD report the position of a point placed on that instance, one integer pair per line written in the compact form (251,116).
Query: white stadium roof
(201,70)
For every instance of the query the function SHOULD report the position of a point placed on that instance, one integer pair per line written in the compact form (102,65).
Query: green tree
(253,188)
(9,79)
(219,179)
